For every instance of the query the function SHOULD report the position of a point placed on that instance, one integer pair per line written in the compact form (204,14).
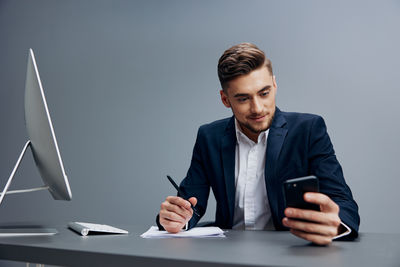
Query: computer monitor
(42,139)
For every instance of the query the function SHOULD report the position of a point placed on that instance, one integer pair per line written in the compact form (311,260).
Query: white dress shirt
(252,211)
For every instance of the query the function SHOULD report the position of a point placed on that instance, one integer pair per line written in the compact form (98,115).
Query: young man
(246,158)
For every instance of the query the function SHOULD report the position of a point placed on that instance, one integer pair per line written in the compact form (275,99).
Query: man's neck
(251,135)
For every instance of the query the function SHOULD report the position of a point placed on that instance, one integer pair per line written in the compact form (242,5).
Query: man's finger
(171,226)
(313,216)
(172,216)
(178,201)
(183,212)
(311,228)
(193,200)
(326,204)
(316,239)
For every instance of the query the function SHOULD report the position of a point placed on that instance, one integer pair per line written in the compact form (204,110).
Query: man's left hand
(318,227)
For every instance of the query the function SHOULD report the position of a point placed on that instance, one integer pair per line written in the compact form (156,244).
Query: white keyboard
(86,228)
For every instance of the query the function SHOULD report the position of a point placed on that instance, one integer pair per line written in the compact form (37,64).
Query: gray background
(128,83)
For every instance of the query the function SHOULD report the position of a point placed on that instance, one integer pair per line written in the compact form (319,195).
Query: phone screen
(294,190)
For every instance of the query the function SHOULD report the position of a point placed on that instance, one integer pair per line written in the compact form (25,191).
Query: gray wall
(128,83)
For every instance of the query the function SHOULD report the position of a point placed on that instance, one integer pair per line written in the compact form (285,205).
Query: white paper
(212,231)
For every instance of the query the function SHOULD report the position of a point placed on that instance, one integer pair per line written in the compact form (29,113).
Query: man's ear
(224,99)
(274,81)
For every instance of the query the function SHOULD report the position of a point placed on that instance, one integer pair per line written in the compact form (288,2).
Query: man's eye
(265,93)
(242,99)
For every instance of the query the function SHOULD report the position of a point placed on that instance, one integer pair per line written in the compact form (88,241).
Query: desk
(239,248)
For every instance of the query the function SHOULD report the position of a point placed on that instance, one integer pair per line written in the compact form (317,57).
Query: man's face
(252,100)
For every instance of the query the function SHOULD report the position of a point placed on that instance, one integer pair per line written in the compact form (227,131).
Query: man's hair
(240,60)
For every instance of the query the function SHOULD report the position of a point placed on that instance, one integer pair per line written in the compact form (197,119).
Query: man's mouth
(257,118)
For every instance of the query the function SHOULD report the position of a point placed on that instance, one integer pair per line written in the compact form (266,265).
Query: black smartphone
(294,190)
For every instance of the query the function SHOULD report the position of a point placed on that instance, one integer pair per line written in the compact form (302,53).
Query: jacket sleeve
(195,184)
(324,164)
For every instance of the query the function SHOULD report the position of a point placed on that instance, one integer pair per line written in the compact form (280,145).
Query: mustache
(257,115)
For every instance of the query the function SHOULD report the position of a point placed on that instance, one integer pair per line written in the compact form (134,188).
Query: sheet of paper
(153,232)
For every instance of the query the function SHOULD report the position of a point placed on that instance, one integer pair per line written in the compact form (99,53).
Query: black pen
(182,195)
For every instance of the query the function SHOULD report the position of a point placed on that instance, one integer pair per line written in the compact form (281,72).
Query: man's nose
(256,106)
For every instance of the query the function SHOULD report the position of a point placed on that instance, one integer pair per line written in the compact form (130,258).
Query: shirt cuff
(347,232)
(186,226)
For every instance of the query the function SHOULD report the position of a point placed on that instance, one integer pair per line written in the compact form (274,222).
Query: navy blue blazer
(298,145)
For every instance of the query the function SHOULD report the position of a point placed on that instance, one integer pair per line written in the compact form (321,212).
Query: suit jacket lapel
(228,148)
(276,136)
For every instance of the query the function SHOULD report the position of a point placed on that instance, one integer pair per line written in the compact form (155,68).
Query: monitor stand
(22,231)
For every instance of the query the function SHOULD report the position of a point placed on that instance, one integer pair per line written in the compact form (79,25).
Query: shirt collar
(240,136)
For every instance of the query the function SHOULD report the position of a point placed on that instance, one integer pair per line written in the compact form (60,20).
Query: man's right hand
(175,212)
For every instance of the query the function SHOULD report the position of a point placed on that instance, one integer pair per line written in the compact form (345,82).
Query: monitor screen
(41,134)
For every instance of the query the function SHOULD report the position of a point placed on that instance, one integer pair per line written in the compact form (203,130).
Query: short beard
(255,131)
